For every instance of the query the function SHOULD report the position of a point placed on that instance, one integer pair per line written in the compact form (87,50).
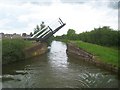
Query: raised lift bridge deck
(47,32)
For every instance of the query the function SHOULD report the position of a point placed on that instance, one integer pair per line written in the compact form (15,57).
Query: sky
(22,16)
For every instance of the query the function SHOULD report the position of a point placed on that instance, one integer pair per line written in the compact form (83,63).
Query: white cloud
(4,21)
(80,17)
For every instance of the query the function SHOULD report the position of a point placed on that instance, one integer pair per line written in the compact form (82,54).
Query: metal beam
(43,34)
(47,32)
(39,32)
(51,33)
(61,21)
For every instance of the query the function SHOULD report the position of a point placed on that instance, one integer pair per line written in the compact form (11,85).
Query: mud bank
(36,50)
(73,50)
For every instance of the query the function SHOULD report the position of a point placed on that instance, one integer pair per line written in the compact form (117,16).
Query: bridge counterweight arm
(50,28)
(61,22)
(47,32)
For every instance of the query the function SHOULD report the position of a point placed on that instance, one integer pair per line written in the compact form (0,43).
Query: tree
(38,28)
(70,32)
(24,34)
(42,25)
(31,34)
(101,36)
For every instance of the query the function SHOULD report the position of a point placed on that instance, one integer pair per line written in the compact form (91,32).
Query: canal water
(56,69)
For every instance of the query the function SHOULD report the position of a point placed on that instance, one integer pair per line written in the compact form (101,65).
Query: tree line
(102,36)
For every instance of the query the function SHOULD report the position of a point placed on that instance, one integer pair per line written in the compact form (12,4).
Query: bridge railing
(48,31)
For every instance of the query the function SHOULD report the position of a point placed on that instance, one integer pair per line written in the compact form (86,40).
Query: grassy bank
(104,54)
(12,49)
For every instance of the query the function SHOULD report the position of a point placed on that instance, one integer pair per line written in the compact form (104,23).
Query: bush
(12,50)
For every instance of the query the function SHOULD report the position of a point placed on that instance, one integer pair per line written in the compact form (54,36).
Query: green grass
(12,49)
(105,54)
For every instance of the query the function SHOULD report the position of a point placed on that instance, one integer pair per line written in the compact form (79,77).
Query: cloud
(21,1)
(74,1)
(114,4)
(23,15)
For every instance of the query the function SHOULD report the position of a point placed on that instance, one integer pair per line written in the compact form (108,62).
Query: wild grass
(12,49)
(105,54)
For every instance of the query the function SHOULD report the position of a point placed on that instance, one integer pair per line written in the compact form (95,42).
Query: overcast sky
(22,16)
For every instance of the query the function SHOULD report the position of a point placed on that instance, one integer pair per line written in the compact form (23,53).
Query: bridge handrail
(39,32)
(43,33)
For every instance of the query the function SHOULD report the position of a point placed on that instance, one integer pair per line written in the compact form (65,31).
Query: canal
(55,69)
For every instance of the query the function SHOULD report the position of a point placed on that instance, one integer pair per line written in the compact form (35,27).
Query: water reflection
(89,75)
(56,69)
(57,55)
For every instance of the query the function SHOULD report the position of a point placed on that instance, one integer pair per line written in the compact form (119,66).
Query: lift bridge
(48,31)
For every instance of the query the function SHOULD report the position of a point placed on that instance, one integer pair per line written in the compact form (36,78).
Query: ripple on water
(57,70)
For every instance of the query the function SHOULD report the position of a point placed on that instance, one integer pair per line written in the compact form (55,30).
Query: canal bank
(78,52)
(56,69)
(36,50)
(14,50)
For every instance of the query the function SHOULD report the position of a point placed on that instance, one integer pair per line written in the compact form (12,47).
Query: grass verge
(12,49)
(105,54)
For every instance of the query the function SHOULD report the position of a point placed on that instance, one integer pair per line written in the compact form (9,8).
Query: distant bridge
(47,32)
